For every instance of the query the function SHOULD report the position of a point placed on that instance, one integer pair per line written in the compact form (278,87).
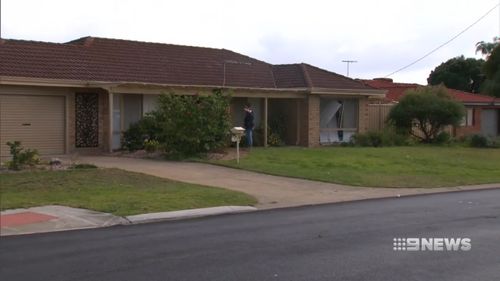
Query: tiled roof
(396,90)
(289,76)
(112,60)
(320,78)
(99,59)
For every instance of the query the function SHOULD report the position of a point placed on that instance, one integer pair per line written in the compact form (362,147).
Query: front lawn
(110,190)
(421,166)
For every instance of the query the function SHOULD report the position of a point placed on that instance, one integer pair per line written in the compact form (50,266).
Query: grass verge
(420,166)
(110,190)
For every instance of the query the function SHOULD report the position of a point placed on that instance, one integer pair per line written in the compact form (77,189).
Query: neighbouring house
(482,112)
(80,96)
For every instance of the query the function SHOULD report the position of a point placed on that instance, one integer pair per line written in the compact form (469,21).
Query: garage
(35,120)
(489,122)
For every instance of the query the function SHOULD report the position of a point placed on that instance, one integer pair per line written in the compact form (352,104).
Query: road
(345,241)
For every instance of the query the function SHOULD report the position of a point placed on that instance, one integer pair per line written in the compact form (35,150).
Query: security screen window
(338,120)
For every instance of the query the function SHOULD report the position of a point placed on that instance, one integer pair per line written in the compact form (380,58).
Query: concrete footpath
(60,218)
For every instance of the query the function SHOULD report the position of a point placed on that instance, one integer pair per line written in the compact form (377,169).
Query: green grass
(110,190)
(420,166)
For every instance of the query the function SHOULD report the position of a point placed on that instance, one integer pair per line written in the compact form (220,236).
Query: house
(81,95)
(482,112)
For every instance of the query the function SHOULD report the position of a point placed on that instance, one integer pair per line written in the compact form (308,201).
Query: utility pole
(349,62)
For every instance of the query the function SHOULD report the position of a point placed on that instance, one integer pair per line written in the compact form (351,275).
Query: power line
(445,43)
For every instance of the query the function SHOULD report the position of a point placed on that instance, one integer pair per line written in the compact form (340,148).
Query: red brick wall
(313,121)
(470,130)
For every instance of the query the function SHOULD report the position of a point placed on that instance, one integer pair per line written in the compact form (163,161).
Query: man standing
(248,124)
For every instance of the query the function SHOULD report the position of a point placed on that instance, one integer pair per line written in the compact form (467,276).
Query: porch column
(265,122)
(110,121)
(297,141)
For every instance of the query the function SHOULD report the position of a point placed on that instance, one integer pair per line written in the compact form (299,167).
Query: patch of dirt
(138,154)
(227,154)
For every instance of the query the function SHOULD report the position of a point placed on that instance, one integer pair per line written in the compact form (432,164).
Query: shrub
(443,138)
(387,137)
(145,129)
(274,140)
(151,146)
(478,141)
(22,157)
(185,125)
(495,142)
(276,131)
(428,110)
(367,139)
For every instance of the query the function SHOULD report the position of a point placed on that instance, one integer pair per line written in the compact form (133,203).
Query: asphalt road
(348,241)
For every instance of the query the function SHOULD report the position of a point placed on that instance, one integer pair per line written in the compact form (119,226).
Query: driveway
(270,191)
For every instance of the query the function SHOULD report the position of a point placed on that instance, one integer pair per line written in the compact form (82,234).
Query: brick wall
(313,118)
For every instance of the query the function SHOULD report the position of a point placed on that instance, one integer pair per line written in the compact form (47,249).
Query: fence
(377,114)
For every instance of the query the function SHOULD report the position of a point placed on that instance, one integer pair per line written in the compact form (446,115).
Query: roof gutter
(46,82)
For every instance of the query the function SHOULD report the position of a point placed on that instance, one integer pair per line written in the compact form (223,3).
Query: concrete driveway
(270,191)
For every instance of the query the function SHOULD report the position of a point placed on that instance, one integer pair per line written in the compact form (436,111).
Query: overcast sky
(381,35)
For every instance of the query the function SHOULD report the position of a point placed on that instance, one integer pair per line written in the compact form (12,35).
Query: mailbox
(237,132)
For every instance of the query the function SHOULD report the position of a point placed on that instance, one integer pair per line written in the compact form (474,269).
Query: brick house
(482,112)
(81,95)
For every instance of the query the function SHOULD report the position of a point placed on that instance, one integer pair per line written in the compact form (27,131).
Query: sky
(382,35)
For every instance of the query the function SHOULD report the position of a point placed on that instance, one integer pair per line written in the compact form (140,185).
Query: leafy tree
(485,48)
(492,71)
(425,111)
(459,73)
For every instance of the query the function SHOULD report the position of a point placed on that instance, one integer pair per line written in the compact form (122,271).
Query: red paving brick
(23,218)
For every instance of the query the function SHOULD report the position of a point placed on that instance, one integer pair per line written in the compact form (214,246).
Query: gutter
(107,85)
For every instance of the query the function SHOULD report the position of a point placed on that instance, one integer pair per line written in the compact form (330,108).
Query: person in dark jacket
(248,124)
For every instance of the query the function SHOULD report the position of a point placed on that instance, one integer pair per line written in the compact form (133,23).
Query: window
(468,119)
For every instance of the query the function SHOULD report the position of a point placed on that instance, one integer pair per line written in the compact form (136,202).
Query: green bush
(184,125)
(276,131)
(368,139)
(22,157)
(274,140)
(387,137)
(151,146)
(478,141)
(138,133)
(443,138)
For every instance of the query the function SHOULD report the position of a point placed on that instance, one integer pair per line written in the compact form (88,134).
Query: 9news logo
(431,244)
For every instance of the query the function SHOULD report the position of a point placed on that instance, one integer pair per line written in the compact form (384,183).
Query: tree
(426,110)
(459,73)
(485,48)
(491,69)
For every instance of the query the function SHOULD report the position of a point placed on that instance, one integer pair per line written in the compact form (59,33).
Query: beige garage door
(36,121)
